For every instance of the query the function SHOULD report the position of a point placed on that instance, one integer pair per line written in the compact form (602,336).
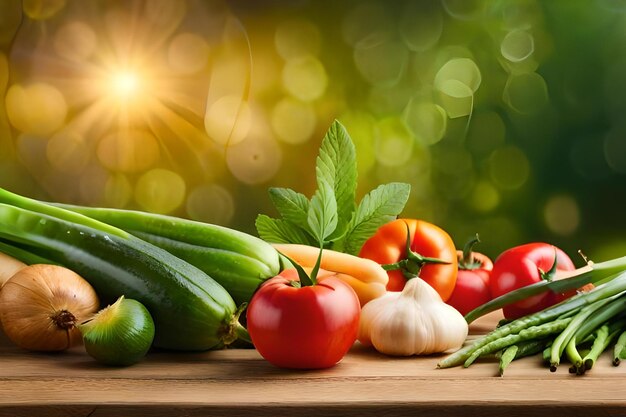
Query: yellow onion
(41,305)
(8,267)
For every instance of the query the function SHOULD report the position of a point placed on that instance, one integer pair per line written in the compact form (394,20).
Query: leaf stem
(413,263)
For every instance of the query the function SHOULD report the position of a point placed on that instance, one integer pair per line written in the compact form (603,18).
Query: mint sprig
(331,219)
(378,207)
(336,166)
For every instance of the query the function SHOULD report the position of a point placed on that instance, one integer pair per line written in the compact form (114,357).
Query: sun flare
(125,84)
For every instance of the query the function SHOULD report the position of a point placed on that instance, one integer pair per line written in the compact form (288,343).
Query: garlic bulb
(414,321)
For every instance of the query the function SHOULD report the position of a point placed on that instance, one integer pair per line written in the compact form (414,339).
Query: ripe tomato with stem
(472,281)
(304,322)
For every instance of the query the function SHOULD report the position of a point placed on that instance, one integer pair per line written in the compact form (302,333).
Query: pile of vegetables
(327,272)
(191,310)
(578,328)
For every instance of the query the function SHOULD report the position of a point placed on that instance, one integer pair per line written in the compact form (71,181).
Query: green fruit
(117,263)
(120,334)
(237,261)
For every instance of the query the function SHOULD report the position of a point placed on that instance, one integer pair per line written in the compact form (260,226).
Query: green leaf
(305,279)
(292,206)
(280,231)
(336,165)
(322,216)
(380,206)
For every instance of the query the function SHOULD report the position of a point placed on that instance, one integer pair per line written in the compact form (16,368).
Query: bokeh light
(305,78)
(188,53)
(367,20)
(562,215)
(615,150)
(160,191)
(227,120)
(39,108)
(4,73)
(426,121)
(128,150)
(486,133)
(211,203)
(485,197)
(526,93)
(296,38)
(118,191)
(75,41)
(68,152)
(42,9)
(506,117)
(421,25)
(464,9)
(509,167)
(517,45)
(255,160)
(381,61)
(393,142)
(457,81)
(293,121)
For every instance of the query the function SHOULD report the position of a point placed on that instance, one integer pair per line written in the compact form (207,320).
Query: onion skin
(120,334)
(41,305)
(9,266)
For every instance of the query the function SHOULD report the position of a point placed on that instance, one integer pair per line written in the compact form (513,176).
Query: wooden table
(240,382)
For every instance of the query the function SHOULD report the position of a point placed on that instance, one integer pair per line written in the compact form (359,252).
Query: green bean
(603,338)
(507,357)
(502,322)
(615,308)
(574,357)
(546,352)
(576,302)
(619,351)
(531,347)
(531,333)
(589,338)
(581,352)
(520,350)
(582,321)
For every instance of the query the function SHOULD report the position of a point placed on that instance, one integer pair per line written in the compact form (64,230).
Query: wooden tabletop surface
(239,382)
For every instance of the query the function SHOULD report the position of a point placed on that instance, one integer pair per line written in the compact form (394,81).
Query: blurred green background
(506,117)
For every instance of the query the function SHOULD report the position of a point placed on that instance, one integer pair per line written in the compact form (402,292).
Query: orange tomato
(428,244)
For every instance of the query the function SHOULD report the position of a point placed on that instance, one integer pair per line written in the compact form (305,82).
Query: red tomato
(525,265)
(388,246)
(472,282)
(311,327)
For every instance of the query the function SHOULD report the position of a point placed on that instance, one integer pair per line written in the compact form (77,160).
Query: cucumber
(191,311)
(238,261)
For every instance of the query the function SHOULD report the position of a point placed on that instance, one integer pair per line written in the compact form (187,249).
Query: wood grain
(240,382)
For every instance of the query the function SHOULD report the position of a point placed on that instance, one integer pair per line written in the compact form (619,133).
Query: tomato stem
(468,262)
(305,279)
(413,263)
(549,275)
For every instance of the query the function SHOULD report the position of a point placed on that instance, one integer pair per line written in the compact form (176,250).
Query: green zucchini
(22,255)
(190,310)
(238,261)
